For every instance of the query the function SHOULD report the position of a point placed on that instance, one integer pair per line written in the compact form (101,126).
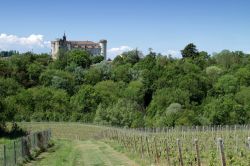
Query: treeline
(133,90)
(8,53)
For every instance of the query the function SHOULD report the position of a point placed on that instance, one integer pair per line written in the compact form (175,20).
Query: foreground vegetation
(87,153)
(133,90)
(147,146)
(186,146)
(76,144)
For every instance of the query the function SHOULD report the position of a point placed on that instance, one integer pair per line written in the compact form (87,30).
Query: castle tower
(64,37)
(103,44)
(55,48)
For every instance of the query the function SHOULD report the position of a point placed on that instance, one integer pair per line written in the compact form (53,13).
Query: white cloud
(174,53)
(113,52)
(13,42)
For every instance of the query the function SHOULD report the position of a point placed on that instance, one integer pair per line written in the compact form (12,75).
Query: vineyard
(228,145)
(188,146)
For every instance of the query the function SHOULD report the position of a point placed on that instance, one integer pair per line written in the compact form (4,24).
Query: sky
(167,26)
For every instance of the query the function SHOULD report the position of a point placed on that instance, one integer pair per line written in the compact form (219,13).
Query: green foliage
(132,90)
(135,92)
(164,97)
(34,71)
(96,59)
(109,91)
(92,76)
(121,73)
(169,117)
(131,57)
(85,100)
(9,86)
(39,104)
(227,84)
(223,110)
(79,57)
(213,72)
(123,113)
(243,75)
(58,79)
(228,59)
(190,51)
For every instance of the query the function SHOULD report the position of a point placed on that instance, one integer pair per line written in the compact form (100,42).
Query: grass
(77,144)
(62,153)
(133,156)
(84,153)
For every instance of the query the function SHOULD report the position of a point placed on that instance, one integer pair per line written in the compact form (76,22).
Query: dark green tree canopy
(190,51)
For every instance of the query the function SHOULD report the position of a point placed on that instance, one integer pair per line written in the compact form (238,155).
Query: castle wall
(97,48)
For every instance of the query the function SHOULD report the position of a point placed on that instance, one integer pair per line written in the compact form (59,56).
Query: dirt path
(83,153)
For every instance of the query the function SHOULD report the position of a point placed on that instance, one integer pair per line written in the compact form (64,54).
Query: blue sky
(164,25)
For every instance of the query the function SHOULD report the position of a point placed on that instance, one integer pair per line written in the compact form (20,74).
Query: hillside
(133,90)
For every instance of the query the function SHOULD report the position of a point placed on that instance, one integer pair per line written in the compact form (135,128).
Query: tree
(228,59)
(58,79)
(131,57)
(164,97)
(227,84)
(85,100)
(213,72)
(170,116)
(9,86)
(243,98)
(92,76)
(109,91)
(5,68)
(223,110)
(80,57)
(122,113)
(135,92)
(121,73)
(34,71)
(190,51)
(96,59)
(243,75)
(39,104)
(105,68)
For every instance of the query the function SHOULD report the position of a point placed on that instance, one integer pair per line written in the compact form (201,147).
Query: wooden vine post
(248,140)
(14,150)
(197,152)
(167,154)
(135,147)
(142,148)
(147,147)
(222,153)
(156,151)
(180,152)
(4,156)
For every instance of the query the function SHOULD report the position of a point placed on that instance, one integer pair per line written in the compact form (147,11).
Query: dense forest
(133,90)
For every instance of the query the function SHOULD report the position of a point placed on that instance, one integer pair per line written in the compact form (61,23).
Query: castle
(94,48)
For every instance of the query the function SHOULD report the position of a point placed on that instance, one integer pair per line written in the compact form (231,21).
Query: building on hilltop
(94,48)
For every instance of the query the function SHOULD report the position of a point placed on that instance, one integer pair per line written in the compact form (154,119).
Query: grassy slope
(82,153)
(77,144)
